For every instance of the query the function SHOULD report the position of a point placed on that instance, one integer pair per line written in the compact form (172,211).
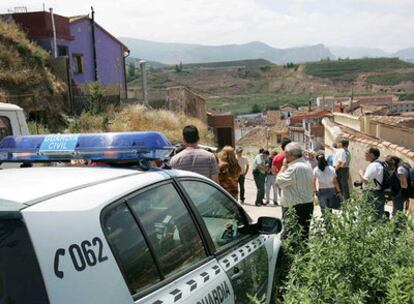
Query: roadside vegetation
(349,258)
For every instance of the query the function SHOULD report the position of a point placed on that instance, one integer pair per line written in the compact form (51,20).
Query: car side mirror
(269,225)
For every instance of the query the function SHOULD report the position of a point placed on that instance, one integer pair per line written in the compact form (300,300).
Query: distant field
(259,85)
(390,78)
(348,70)
(237,63)
(407,96)
(241,104)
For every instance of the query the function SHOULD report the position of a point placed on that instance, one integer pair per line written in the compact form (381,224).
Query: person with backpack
(374,174)
(398,182)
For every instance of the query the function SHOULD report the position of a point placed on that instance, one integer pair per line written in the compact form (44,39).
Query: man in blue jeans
(259,175)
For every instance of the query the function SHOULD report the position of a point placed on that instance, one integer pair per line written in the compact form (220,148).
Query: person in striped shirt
(193,158)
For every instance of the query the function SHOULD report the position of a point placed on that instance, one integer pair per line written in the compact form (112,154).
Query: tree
(256,108)
(179,68)
(95,97)
(131,71)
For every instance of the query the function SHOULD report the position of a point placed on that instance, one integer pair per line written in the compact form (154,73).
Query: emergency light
(98,147)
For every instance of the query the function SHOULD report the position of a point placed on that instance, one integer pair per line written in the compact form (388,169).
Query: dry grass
(137,118)
(25,78)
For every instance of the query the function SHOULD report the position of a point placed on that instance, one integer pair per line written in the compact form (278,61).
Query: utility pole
(95,65)
(144,83)
(351,103)
(55,52)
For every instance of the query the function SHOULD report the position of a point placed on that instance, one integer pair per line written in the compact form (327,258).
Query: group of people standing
(389,178)
(266,167)
(297,176)
(223,168)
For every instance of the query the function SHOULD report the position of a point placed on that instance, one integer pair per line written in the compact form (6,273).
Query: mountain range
(174,53)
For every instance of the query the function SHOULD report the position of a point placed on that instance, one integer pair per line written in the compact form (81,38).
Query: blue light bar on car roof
(112,147)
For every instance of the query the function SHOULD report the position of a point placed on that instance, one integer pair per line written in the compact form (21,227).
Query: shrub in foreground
(352,258)
(401,287)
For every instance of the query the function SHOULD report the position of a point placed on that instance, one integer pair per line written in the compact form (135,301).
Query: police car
(115,235)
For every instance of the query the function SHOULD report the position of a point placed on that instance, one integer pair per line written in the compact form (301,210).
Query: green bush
(401,287)
(291,65)
(89,122)
(265,68)
(248,74)
(37,128)
(350,257)
(256,108)
(95,97)
(406,96)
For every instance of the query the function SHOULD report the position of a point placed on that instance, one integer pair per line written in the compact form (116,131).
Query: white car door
(165,259)
(248,259)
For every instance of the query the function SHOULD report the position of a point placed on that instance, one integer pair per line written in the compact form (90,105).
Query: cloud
(386,24)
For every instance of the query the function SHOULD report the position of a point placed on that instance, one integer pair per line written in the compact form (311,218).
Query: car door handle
(237,274)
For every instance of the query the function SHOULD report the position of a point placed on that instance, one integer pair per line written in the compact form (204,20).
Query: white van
(12,122)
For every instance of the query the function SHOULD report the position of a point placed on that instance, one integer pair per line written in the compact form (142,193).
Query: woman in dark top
(399,194)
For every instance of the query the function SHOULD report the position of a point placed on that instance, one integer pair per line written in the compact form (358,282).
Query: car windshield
(20,277)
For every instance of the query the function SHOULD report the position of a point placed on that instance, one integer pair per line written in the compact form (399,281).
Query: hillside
(238,89)
(174,53)
(251,63)
(348,70)
(24,76)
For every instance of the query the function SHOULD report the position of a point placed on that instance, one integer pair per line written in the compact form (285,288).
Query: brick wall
(182,100)
(348,120)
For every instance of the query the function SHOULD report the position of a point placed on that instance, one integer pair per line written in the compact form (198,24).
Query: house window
(77,63)
(62,50)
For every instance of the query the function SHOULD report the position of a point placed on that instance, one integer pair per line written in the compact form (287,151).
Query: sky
(385,24)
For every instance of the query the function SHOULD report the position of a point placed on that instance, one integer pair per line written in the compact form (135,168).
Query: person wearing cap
(194,159)
(259,174)
(244,165)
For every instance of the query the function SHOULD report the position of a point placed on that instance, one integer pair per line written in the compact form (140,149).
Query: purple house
(95,54)
(38,27)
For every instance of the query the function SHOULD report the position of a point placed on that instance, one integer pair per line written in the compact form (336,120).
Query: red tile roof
(287,105)
(309,115)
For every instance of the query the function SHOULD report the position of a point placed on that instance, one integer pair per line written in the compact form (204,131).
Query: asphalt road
(250,195)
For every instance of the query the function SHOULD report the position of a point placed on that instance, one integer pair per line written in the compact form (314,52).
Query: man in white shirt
(244,165)
(341,160)
(374,175)
(295,179)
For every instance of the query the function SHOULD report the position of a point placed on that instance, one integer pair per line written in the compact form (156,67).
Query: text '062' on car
(123,232)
